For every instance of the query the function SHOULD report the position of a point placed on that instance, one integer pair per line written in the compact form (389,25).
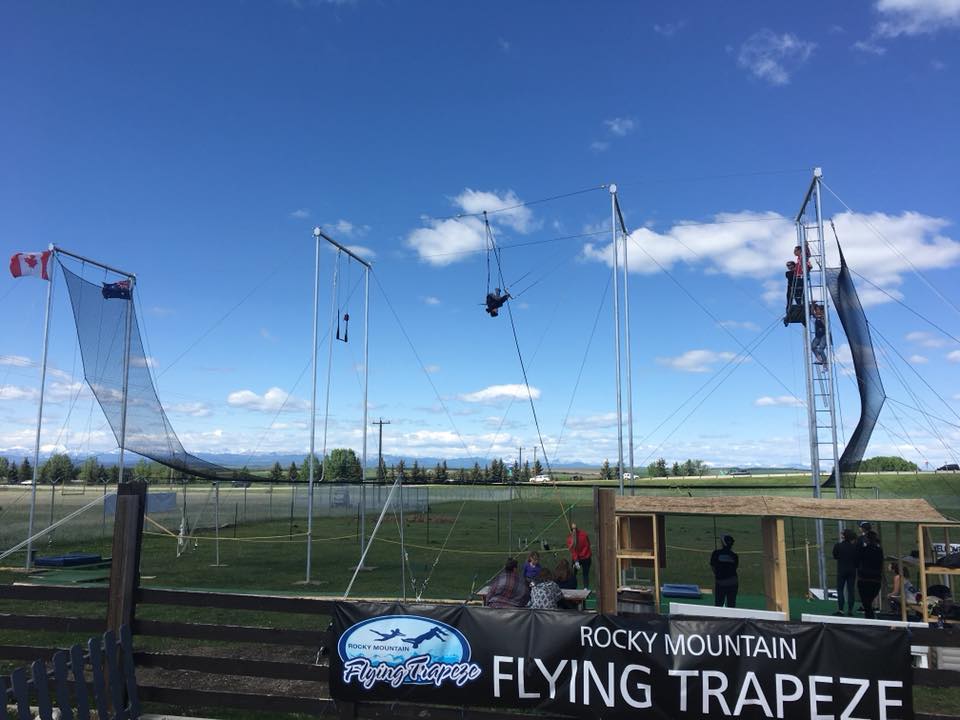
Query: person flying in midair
(383,637)
(495,301)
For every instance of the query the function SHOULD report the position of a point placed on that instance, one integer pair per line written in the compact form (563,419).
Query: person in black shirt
(495,301)
(724,563)
(846,553)
(869,572)
(865,528)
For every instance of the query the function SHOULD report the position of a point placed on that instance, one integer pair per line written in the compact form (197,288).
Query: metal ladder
(820,378)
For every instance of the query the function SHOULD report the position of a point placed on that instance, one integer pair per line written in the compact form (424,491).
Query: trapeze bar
(320,233)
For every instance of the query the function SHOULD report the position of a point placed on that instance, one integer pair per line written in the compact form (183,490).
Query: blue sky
(197,144)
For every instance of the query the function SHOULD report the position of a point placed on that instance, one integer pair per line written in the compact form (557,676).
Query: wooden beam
(125,562)
(608,571)
(775,586)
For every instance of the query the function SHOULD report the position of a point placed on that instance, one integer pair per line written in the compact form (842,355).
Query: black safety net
(855,326)
(100,311)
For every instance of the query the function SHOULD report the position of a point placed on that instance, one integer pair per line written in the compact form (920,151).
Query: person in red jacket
(579,544)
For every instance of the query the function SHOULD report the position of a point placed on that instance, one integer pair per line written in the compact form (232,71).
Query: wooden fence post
(125,560)
(605,521)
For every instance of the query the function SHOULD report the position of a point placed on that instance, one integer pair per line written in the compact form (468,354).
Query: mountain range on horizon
(259,461)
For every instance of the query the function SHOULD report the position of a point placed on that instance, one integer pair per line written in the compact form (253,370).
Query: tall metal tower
(817,352)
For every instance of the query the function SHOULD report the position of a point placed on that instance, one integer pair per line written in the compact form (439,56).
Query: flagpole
(313,402)
(43,381)
(126,379)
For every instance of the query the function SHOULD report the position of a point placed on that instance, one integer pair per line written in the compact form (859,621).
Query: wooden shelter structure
(632,527)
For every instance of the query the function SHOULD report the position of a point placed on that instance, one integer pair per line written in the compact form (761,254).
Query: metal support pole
(403,546)
(216,518)
(326,411)
(126,378)
(616,330)
(626,324)
(43,382)
(510,523)
(366,380)
(313,406)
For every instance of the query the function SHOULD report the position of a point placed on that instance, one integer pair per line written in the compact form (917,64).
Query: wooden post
(924,614)
(903,577)
(605,514)
(125,561)
(775,564)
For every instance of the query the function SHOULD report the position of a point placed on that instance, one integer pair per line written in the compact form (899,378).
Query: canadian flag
(31,265)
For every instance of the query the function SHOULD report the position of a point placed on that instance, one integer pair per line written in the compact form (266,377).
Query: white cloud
(446,241)
(56,392)
(869,46)
(669,29)
(772,57)
(504,44)
(916,17)
(697,361)
(431,300)
(271,401)
(918,360)
(778,401)
(742,324)
(505,208)
(954,356)
(600,420)
(494,393)
(757,244)
(143,361)
(266,334)
(159,311)
(599,146)
(193,409)
(62,391)
(16,361)
(938,64)
(17,392)
(300,214)
(432,369)
(362,251)
(346,228)
(620,126)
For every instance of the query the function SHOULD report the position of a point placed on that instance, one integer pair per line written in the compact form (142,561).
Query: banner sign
(614,667)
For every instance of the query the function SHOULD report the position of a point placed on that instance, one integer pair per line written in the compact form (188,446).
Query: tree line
(343,465)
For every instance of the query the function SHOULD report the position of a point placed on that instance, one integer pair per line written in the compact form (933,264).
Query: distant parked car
(739,471)
(628,476)
(949,467)
(540,479)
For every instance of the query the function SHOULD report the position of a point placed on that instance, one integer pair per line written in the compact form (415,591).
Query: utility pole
(380,424)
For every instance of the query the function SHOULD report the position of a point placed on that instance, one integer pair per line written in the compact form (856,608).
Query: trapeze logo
(405,650)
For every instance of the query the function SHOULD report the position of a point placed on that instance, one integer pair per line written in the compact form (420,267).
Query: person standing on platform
(724,563)
(846,553)
(869,572)
(579,544)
